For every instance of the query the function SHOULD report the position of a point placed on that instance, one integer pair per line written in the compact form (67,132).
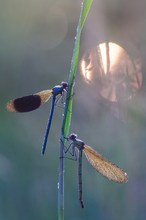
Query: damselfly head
(73,136)
(64,84)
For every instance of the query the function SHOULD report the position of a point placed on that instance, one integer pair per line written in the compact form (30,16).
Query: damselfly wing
(30,102)
(103,166)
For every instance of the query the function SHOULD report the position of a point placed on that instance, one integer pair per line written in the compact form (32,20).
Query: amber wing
(105,167)
(30,102)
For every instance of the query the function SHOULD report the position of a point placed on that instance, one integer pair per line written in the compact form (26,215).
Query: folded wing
(30,102)
(105,167)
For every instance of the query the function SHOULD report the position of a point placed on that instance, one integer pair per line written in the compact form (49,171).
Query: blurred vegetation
(36,42)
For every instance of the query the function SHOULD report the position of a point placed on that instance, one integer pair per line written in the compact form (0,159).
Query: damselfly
(32,102)
(102,165)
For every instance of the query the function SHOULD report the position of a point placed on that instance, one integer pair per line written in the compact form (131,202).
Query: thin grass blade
(68,106)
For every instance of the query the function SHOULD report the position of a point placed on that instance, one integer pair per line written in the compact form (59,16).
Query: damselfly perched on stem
(32,102)
(102,165)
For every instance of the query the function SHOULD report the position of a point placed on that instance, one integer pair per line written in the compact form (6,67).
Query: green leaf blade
(68,105)
(69,100)
(85,11)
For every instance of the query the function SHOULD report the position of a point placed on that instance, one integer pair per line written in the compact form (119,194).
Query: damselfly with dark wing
(32,102)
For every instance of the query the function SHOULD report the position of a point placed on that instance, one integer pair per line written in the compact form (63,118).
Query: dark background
(36,43)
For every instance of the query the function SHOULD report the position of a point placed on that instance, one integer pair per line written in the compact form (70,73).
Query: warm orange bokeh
(117,75)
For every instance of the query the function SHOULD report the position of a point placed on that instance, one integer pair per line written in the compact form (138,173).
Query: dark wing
(30,102)
(105,167)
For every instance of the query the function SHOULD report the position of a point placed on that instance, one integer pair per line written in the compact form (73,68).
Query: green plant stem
(61,183)
(68,106)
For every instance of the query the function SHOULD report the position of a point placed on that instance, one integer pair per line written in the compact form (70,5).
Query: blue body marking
(49,124)
(55,92)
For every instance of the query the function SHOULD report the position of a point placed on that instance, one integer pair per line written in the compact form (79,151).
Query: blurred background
(36,43)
